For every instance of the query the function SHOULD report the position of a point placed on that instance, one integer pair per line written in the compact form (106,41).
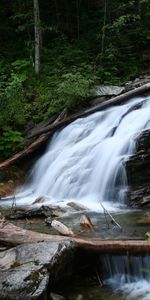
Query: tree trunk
(37,32)
(12,235)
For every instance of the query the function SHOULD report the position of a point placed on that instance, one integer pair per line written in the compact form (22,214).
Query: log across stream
(37,257)
(44,134)
(13,235)
(42,260)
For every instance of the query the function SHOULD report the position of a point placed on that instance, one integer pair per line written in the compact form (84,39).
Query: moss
(15,264)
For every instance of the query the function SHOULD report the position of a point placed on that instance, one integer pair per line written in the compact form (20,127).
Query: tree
(37,32)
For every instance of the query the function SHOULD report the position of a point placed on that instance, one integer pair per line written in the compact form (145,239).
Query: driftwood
(86,223)
(50,129)
(11,235)
(112,218)
(61,228)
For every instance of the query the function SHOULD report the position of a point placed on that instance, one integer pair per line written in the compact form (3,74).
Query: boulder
(27,271)
(108,90)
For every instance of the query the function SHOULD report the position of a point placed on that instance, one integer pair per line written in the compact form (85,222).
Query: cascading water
(84,162)
(127,274)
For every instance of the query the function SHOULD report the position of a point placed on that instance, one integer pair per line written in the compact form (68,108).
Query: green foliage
(9,140)
(13,104)
(104,42)
(69,90)
(11,99)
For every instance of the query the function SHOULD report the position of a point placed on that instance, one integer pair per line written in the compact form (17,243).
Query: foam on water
(128,274)
(84,161)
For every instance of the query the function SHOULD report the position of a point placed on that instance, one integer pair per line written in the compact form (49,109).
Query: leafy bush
(69,90)
(9,140)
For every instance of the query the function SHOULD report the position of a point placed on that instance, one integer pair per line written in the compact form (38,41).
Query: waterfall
(127,274)
(84,162)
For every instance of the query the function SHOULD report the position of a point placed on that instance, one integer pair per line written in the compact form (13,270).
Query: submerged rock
(27,270)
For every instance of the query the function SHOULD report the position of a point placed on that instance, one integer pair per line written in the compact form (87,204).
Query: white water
(84,161)
(128,274)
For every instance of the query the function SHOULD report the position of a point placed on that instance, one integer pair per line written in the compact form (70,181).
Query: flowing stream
(128,274)
(84,162)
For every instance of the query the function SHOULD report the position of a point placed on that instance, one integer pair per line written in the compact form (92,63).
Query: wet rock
(44,211)
(147,236)
(48,221)
(56,297)
(139,195)
(138,172)
(41,212)
(27,270)
(80,297)
(77,206)
(144,220)
(137,82)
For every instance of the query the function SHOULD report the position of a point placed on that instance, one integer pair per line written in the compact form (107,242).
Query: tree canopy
(80,43)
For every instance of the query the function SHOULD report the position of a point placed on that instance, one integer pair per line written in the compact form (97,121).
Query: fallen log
(11,235)
(50,129)
(24,153)
(113,101)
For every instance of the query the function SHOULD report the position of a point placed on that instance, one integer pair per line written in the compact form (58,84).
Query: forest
(52,53)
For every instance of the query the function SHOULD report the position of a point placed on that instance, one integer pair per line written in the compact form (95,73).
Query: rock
(144,220)
(138,172)
(56,297)
(26,270)
(139,195)
(108,90)
(45,211)
(137,82)
(41,212)
(147,236)
(77,206)
(80,297)
(39,199)
(48,221)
